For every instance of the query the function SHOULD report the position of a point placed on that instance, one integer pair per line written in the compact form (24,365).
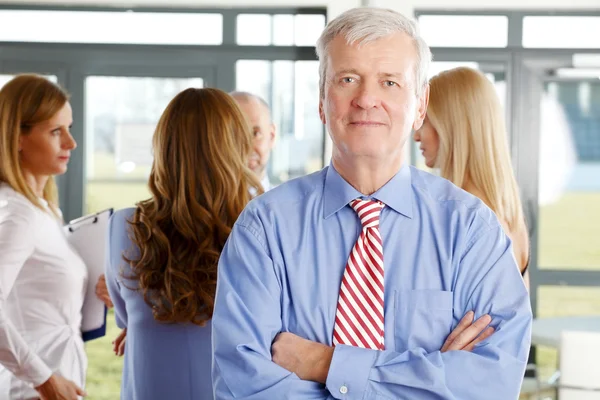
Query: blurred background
(123,63)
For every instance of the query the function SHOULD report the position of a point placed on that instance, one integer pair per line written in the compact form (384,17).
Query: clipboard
(87,235)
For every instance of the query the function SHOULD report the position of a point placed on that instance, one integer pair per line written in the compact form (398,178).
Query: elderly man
(259,116)
(350,283)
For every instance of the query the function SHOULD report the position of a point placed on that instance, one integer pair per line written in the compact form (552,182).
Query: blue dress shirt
(445,253)
(162,361)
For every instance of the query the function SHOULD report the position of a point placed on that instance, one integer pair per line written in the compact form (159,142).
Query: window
(4,79)
(575,32)
(464,30)
(254,29)
(111,27)
(569,176)
(121,115)
(279,29)
(561,301)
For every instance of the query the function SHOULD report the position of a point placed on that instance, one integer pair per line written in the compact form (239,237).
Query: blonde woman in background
(42,279)
(464,135)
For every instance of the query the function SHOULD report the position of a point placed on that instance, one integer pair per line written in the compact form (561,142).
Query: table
(546,331)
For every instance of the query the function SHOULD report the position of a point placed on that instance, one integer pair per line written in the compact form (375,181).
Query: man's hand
(102,291)
(59,388)
(467,333)
(309,360)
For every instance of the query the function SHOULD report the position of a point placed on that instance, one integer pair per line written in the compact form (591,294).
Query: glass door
(560,159)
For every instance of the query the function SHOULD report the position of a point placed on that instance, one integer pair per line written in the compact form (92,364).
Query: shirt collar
(396,193)
(266,184)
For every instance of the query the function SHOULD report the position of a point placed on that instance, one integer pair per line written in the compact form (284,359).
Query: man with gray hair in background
(369,279)
(258,114)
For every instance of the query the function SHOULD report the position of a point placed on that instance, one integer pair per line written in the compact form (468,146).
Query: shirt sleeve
(489,282)
(112,271)
(16,246)
(246,319)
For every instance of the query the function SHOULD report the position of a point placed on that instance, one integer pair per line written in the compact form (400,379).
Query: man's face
(370,102)
(263,131)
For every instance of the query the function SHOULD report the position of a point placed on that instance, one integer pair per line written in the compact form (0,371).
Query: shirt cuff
(35,371)
(349,372)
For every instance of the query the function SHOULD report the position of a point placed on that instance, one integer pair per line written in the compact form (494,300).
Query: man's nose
(368,96)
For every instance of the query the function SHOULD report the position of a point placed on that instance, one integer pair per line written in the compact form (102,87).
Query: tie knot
(368,211)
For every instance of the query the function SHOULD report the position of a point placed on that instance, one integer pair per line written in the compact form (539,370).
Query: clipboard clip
(93,217)
(82,219)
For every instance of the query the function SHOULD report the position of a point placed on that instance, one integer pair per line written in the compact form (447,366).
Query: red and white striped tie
(359,316)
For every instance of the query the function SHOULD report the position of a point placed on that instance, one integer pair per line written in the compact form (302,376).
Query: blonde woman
(465,137)
(42,279)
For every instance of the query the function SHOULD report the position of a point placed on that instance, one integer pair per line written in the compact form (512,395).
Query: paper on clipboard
(87,235)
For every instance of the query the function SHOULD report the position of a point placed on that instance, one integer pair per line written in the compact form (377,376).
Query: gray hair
(366,24)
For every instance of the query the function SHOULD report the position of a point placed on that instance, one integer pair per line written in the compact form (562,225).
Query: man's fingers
(484,335)
(464,323)
(469,334)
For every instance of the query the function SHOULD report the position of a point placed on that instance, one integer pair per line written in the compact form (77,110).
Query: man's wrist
(323,362)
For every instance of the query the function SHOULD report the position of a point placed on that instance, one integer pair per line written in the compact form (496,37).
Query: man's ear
(322,112)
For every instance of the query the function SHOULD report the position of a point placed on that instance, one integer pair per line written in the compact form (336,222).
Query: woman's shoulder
(13,205)
(121,218)
(118,230)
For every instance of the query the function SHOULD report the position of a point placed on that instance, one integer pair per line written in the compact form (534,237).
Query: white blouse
(42,287)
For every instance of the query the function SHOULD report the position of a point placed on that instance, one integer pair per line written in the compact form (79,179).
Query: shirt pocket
(422,319)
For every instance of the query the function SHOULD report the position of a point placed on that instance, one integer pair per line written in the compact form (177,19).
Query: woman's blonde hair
(200,183)
(465,111)
(26,101)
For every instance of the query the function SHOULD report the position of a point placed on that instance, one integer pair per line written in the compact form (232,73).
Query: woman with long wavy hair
(163,254)
(464,135)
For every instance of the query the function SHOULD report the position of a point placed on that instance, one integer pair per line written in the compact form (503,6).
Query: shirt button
(344,389)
